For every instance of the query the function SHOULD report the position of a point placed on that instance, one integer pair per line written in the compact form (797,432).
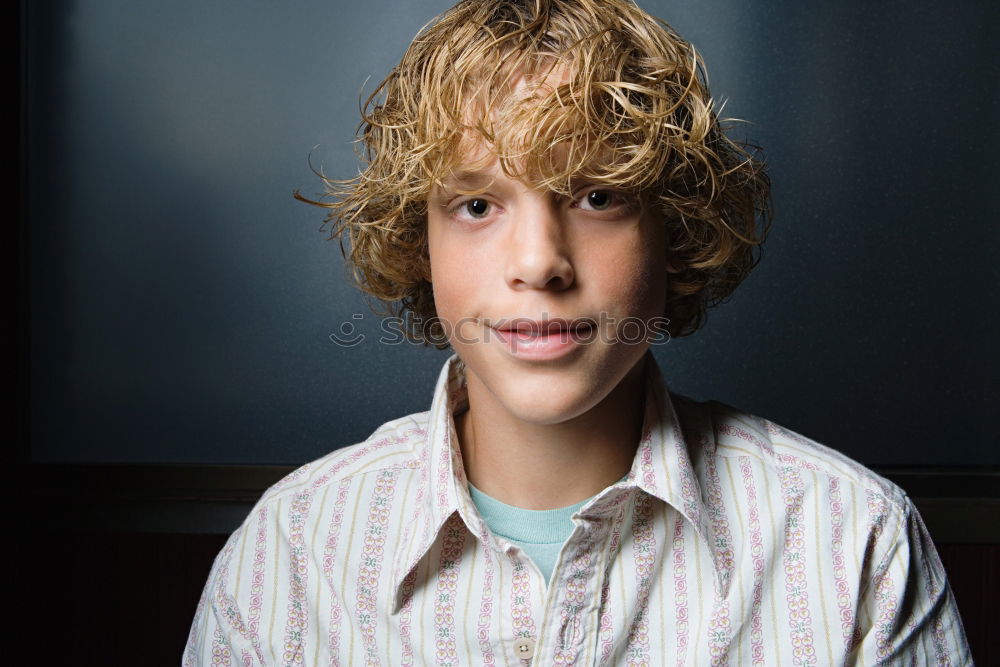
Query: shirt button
(524,648)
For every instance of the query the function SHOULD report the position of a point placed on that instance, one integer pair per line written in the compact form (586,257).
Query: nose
(539,256)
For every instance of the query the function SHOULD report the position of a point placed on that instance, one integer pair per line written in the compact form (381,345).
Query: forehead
(528,129)
(476,165)
(513,108)
(538,81)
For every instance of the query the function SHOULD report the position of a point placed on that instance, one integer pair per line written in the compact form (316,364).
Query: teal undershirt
(540,533)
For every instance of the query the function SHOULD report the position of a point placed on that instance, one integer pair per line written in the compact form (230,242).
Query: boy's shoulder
(733,433)
(393,446)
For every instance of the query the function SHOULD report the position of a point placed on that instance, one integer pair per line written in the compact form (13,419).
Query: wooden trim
(960,505)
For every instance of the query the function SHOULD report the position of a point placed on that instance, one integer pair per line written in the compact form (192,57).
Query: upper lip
(525,325)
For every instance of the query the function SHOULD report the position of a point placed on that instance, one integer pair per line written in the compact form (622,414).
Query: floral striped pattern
(576,596)
(644,557)
(719,628)
(520,600)
(678,546)
(447,590)
(795,561)
(372,558)
(717,548)
(406,645)
(298,610)
(486,603)
(841,587)
(757,561)
(607,625)
(329,571)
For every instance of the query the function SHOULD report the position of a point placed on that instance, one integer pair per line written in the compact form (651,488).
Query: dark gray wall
(182,302)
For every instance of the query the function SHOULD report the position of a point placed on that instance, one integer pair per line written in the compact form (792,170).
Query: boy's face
(582,270)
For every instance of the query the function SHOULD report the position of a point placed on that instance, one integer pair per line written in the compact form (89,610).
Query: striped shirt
(731,541)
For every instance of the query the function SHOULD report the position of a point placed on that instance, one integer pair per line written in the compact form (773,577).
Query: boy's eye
(477,208)
(599,200)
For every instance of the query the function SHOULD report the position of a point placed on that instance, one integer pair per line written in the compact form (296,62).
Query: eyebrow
(468,177)
(471,180)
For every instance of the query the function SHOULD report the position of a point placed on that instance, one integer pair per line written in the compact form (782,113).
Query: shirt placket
(519,598)
(569,623)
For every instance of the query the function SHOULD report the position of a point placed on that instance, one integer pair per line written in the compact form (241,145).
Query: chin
(551,405)
(536,414)
(549,393)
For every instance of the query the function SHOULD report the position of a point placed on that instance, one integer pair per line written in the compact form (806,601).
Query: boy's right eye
(476,208)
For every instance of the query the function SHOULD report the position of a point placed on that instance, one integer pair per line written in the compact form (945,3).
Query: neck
(548,466)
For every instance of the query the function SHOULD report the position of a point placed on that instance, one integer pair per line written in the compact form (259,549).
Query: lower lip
(544,347)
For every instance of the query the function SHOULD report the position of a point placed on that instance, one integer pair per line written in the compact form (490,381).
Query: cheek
(652,266)
(454,273)
(635,275)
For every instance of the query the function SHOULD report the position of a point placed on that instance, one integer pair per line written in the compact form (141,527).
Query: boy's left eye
(602,200)
(599,199)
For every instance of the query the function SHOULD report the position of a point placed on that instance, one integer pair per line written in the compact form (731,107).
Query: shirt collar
(662,467)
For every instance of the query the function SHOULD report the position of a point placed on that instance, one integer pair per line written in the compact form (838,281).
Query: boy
(548,189)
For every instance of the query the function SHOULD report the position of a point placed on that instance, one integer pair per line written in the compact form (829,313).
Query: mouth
(544,340)
(543,328)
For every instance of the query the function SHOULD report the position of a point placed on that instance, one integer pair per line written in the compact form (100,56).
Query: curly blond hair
(635,96)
